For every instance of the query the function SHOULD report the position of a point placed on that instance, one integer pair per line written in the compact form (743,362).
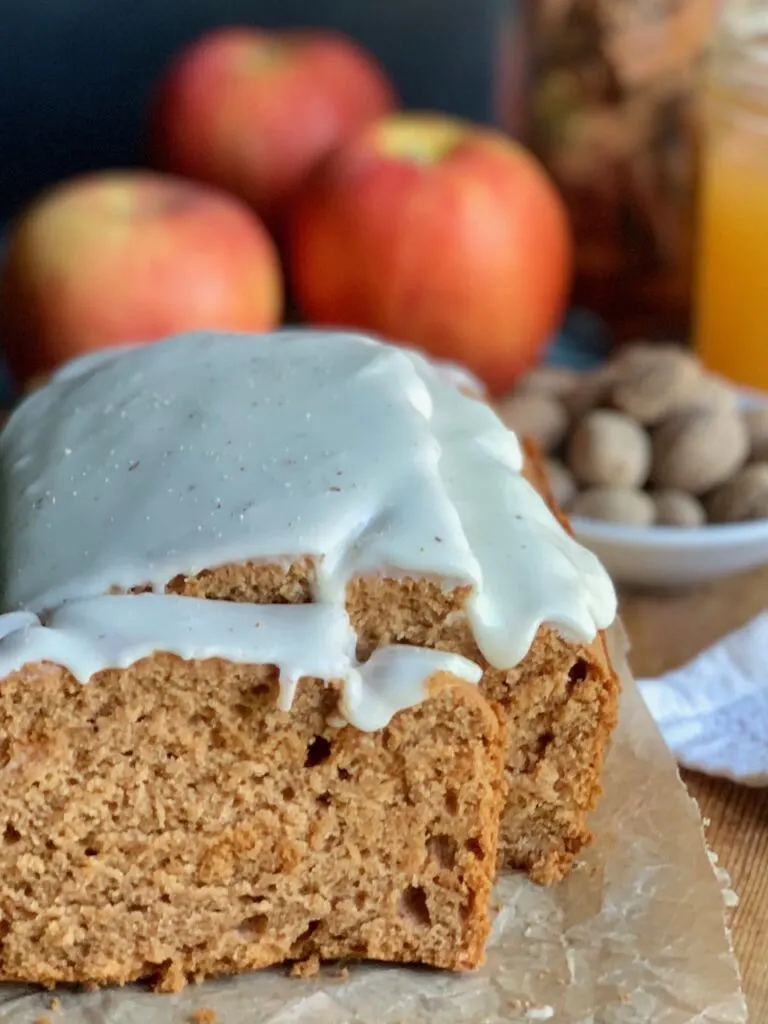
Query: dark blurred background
(75,74)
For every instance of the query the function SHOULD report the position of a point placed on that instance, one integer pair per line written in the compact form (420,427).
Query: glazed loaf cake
(339,658)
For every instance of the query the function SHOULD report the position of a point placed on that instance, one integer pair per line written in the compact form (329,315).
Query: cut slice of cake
(291,638)
(169,820)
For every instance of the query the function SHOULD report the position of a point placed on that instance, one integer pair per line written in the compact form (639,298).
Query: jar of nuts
(607,98)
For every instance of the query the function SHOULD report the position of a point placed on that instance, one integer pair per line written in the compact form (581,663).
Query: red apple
(253,111)
(132,256)
(437,232)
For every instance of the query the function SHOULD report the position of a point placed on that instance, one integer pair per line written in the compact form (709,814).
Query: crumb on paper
(341,973)
(43,1020)
(55,1004)
(530,1011)
(308,968)
(623,995)
(204,1015)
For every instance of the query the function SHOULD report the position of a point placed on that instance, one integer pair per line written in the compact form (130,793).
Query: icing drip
(314,641)
(134,466)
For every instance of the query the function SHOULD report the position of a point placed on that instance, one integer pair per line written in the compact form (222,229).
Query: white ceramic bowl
(673,556)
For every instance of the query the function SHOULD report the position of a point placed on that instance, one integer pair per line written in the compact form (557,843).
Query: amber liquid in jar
(611,111)
(731,331)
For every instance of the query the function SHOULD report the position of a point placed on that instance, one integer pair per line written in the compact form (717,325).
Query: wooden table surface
(666,630)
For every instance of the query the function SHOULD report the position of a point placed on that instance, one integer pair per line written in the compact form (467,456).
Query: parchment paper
(636,934)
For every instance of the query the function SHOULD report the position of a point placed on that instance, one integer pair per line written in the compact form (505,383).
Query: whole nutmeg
(654,381)
(560,480)
(552,381)
(536,416)
(756,421)
(615,505)
(676,508)
(696,451)
(711,395)
(639,349)
(608,447)
(590,391)
(743,497)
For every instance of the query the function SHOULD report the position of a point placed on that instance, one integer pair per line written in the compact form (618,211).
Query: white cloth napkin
(713,712)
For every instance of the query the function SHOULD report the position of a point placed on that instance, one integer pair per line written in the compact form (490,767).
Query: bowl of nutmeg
(661,466)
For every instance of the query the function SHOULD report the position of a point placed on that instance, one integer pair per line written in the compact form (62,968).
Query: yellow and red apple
(433,231)
(253,111)
(132,256)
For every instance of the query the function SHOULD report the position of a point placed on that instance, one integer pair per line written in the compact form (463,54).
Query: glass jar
(731,330)
(610,109)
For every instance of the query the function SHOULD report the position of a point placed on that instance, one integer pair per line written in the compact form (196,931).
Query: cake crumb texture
(559,704)
(167,821)
(204,1015)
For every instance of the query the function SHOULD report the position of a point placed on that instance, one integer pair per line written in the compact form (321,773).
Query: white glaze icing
(314,641)
(397,677)
(130,468)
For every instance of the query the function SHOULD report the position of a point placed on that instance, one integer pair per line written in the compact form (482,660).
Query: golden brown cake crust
(167,820)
